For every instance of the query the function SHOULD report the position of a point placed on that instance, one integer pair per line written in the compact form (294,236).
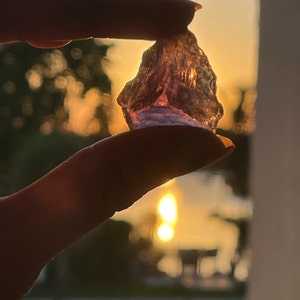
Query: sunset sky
(227,31)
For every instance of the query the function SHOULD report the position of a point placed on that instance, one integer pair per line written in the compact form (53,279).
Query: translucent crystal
(175,85)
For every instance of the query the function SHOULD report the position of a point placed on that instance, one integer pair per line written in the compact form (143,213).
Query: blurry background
(188,237)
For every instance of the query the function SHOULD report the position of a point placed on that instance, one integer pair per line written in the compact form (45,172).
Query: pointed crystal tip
(175,85)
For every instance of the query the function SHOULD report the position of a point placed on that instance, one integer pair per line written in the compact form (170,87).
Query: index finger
(35,20)
(148,157)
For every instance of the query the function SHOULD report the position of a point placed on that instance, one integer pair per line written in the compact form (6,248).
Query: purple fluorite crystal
(175,85)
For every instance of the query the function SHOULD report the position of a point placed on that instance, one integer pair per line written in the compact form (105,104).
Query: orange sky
(227,31)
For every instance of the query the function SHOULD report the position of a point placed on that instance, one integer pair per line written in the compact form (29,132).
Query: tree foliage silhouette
(33,86)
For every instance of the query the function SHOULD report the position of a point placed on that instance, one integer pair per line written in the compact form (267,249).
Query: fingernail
(227,143)
(49,44)
(197,6)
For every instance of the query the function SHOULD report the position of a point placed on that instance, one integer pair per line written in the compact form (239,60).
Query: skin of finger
(69,20)
(88,188)
(152,156)
(112,174)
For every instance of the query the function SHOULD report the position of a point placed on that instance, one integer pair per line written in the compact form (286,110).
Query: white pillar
(275,175)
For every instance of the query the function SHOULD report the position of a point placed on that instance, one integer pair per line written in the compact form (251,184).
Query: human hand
(41,220)
(54,23)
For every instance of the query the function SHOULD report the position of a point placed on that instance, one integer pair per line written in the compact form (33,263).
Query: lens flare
(167,208)
(165,232)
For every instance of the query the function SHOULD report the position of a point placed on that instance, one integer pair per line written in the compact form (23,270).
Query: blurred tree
(244,115)
(104,257)
(45,94)
(112,254)
(40,153)
(236,166)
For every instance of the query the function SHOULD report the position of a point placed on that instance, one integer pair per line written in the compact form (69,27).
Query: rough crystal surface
(175,85)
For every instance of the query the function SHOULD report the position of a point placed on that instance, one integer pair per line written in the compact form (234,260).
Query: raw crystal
(175,85)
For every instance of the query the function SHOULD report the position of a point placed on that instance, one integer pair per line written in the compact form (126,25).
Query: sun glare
(167,209)
(165,232)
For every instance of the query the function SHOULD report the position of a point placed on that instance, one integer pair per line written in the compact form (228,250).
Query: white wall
(276,156)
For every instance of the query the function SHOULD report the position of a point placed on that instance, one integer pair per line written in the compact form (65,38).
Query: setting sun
(167,208)
(165,232)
